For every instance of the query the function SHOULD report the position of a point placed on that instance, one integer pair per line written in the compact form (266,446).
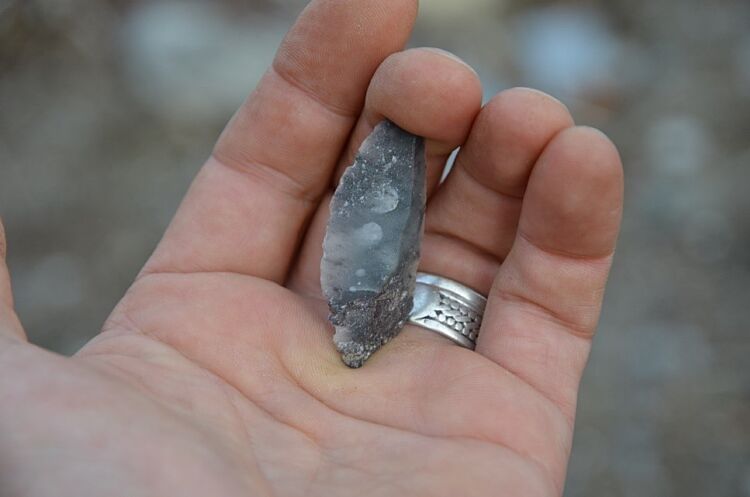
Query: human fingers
(427,92)
(544,305)
(249,205)
(471,221)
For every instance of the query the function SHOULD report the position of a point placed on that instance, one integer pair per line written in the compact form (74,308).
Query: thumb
(10,327)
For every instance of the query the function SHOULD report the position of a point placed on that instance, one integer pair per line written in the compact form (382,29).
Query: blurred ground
(107,109)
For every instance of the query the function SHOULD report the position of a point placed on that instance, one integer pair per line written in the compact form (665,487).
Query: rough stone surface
(372,243)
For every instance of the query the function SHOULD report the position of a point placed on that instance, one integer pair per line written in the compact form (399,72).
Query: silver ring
(448,308)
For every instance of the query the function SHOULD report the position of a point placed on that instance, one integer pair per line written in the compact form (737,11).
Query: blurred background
(108,108)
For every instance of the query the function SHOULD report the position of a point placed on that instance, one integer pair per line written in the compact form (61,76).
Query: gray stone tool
(372,243)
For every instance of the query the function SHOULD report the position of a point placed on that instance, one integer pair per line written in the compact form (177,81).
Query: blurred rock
(567,50)
(742,65)
(664,351)
(708,236)
(191,61)
(678,145)
(55,283)
(450,10)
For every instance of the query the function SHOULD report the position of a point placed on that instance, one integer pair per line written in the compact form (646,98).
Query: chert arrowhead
(372,243)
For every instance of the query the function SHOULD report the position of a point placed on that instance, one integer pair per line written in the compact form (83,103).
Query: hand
(216,374)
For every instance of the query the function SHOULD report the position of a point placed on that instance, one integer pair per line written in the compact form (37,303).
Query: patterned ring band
(448,308)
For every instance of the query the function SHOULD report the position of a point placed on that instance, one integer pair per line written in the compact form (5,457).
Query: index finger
(249,205)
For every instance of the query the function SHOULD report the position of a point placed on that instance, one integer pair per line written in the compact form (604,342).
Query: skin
(216,375)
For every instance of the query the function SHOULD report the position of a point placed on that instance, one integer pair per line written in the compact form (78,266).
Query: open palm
(216,374)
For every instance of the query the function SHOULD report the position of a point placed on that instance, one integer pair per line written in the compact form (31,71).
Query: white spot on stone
(343,334)
(369,234)
(384,200)
(360,272)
